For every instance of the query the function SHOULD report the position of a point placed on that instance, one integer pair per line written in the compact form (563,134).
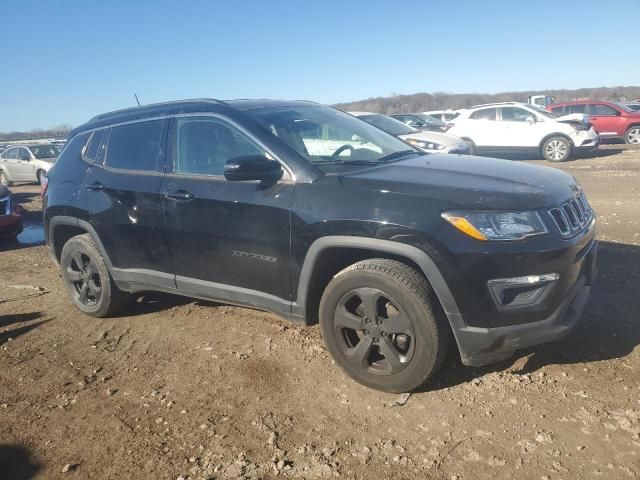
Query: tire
(87,278)
(39,175)
(472,146)
(408,325)
(632,135)
(4,179)
(557,149)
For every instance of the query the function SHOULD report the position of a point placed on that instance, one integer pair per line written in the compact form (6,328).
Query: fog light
(521,291)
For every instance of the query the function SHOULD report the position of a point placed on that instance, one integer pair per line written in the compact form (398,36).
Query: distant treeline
(60,131)
(422,102)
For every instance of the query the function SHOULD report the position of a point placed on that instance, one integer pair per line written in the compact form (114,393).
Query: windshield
(429,120)
(44,151)
(542,111)
(388,124)
(324,135)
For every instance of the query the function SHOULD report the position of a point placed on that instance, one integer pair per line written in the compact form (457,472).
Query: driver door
(520,128)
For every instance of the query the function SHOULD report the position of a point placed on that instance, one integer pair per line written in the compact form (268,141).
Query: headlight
(489,225)
(426,145)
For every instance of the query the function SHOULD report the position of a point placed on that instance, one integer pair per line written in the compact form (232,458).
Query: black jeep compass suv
(308,212)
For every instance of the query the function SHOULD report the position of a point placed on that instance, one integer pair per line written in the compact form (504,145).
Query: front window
(515,114)
(45,151)
(599,109)
(326,136)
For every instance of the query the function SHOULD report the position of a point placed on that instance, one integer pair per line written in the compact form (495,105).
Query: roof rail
(160,104)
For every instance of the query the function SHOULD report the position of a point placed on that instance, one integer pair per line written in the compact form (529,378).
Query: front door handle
(96,186)
(179,195)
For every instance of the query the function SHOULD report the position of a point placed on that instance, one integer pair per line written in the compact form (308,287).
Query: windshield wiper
(397,155)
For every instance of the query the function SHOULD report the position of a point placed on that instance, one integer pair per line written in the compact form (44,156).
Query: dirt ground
(178,389)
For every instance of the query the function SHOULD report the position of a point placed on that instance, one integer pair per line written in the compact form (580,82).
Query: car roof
(582,102)
(360,114)
(181,106)
(495,104)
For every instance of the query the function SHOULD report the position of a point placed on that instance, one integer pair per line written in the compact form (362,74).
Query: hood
(469,182)
(574,117)
(437,137)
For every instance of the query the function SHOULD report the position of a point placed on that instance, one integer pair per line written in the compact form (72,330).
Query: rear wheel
(557,149)
(4,179)
(382,325)
(632,136)
(87,278)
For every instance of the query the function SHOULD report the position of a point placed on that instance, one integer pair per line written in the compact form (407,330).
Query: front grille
(572,216)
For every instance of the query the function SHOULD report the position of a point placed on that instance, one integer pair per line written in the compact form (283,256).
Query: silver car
(26,163)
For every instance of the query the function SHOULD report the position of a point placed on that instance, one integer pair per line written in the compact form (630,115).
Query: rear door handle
(179,195)
(96,186)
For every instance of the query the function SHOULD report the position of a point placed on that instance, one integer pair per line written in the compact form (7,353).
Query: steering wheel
(342,148)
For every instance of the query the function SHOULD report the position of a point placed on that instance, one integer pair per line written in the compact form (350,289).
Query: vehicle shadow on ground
(153,302)
(608,329)
(17,462)
(13,333)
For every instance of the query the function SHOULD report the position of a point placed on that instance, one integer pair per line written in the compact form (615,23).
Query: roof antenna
(136,95)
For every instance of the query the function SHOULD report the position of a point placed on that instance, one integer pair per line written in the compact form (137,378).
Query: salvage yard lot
(176,387)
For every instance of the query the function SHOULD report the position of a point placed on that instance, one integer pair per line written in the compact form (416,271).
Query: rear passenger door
(226,238)
(122,192)
(483,128)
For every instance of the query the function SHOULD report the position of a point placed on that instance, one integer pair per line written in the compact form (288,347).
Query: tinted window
(388,124)
(135,146)
(484,114)
(514,114)
(91,151)
(24,154)
(576,108)
(45,151)
(557,110)
(11,154)
(205,144)
(599,109)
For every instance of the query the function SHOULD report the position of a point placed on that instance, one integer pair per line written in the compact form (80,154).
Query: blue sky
(64,61)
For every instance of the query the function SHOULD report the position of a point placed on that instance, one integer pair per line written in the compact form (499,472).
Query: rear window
(135,146)
(91,151)
(576,108)
(484,114)
(557,110)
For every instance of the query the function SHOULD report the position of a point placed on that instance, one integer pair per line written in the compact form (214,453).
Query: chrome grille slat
(572,216)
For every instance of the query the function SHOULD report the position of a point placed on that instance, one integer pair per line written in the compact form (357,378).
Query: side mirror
(357,139)
(252,167)
(531,120)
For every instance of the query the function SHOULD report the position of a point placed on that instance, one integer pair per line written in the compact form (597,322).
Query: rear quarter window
(135,146)
(69,166)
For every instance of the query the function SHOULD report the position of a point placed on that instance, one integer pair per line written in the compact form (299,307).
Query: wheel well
(332,260)
(62,234)
(551,135)
(631,126)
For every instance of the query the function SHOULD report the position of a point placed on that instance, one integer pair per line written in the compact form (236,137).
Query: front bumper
(11,225)
(480,346)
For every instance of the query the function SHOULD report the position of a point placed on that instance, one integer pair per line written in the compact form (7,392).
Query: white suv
(517,127)
(26,163)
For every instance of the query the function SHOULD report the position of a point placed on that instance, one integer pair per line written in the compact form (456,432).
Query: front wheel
(39,176)
(557,149)
(632,136)
(87,279)
(4,179)
(382,325)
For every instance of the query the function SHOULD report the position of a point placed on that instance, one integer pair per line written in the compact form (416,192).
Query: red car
(10,215)
(609,119)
